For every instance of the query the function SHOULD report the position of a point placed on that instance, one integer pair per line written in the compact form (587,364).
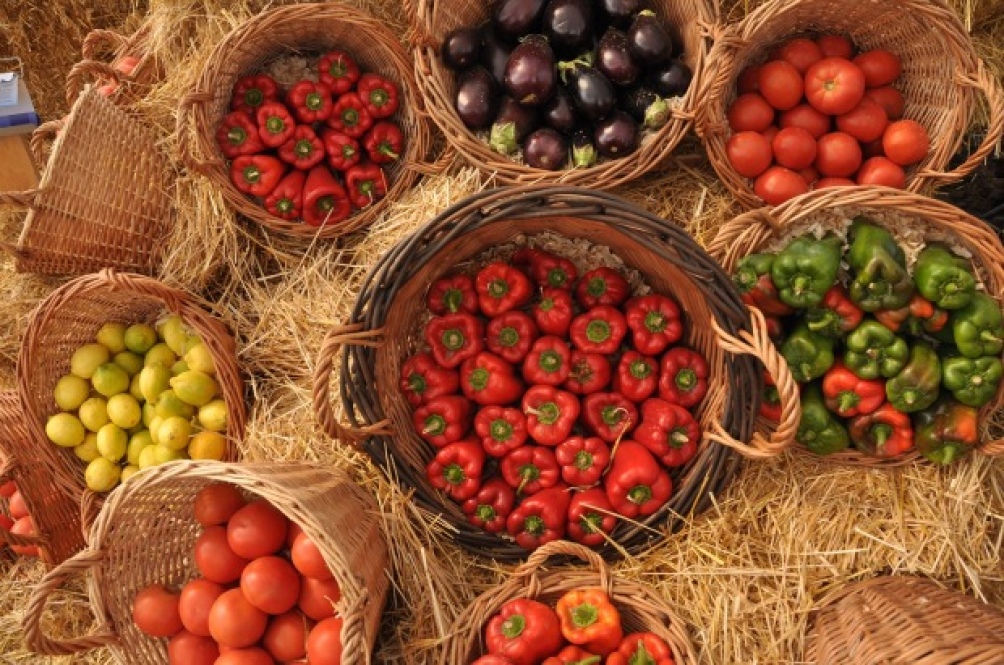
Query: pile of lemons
(137,397)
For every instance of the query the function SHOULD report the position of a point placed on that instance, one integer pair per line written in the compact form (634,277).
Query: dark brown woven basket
(383,329)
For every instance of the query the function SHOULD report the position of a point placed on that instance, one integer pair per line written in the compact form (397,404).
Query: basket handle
(93,68)
(183,127)
(418,34)
(527,573)
(437,167)
(758,344)
(44,133)
(36,640)
(107,41)
(352,335)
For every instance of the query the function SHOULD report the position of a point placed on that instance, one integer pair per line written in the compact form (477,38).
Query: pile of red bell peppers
(556,403)
(314,152)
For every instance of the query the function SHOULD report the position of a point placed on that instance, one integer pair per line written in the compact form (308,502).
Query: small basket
(103,200)
(640,608)
(434,19)
(383,330)
(750,232)
(942,77)
(132,545)
(300,28)
(904,620)
(101,50)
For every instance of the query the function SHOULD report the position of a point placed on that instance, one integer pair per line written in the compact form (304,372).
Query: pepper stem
(823,322)
(416,383)
(655,322)
(686,379)
(350,117)
(254,97)
(547,413)
(275,125)
(237,136)
(583,460)
(435,425)
(678,438)
(501,430)
(497,288)
(453,339)
(800,284)
(584,615)
(987,336)
(513,626)
(479,378)
(546,305)
(596,287)
(454,474)
(314,101)
(252,174)
(534,525)
(640,494)
(452,299)
(640,369)
(557,277)
(528,473)
(598,331)
(550,361)
(881,434)
(285,206)
(379,97)
(612,415)
(847,401)
(485,513)
(508,337)
(304,148)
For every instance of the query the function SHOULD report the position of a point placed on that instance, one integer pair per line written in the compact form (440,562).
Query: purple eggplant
(583,151)
(616,136)
(649,43)
(613,59)
(619,13)
(646,107)
(671,80)
(530,75)
(494,53)
(477,98)
(545,149)
(461,48)
(591,92)
(512,125)
(514,18)
(568,24)
(560,113)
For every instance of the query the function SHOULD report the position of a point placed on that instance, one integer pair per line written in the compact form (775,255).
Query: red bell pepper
(553,312)
(602,286)
(538,520)
(885,432)
(847,395)
(668,431)
(286,200)
(349,116)
(524,631)
(339,71)
(757,287)
(582,460)
(251,92)
(530,469)
(919,315)
(256,175)
(238,135)
(642,649)
(384,143)
(588,618)
(501,288)
(655,323)
(342,150)
(511,335)
(502,430)
(303,150)
(573,655)
(548,363)
(836,316)
(683,377)
(275,124)
(310,101)
(590,373)
(637,376)
(489,381)
(452,294)
(775,329)
(636,484)
(492,659)
(770,405)
(444,419)
(324,199)
(600,330)
(423,379)
(454,338)
(550,271)
(367,184)
(591,518)
(609,415)
(491,506)
(550,414)
(378,94)
(456,469)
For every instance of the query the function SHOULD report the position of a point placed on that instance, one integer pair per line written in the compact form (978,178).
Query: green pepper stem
(497,288)
(557,277)
(881,434)
(640,494)
(585,615)
(435,425)
(237,136)
(513,626)
(501,430)
(508,337)
(800,284)
(655,322)
(598,331)
(847,401)
(686,379)
(583,460)
(550,361)
(452,298)
(825,321)
(987,336)
(547,413)
(678,438)
(454,474)
(453,339)
(485,513)
(640,369)
(479,378)
(534,525)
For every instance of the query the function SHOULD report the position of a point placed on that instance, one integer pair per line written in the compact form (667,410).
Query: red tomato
(880,67)
(823,183)
(882,171)
(750,112)
(155,611)
(257,529)
(810,176)
(838,155)
(17,507)
(317,598)
(807,118)
(286,636)
(271,584)
(216,504)
(324,646)
(235,622)
(196,600)
(835,46)
(834,86)
(866,122)
(770,133)
(188,649)
(7,489)
(308,558)
(794,148)
(749,153)
(781,84)
(906,142)
(747,81)
(24,527)
(214,558)
(802,53)
(252,656)
(778,184)
(890,99)
(294,531)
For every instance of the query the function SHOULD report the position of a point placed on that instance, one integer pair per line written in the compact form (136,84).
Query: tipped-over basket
(942,79)
(110,58)
(904,620)
(384,330)
(688,22)
(897,210)
(146,531)
(304,29)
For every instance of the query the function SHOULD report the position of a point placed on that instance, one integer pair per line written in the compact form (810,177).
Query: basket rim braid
(432,19)
(103,200)
(753,230)
(309,26)
(338,515)
(100,49)
(930,31)
(641,608)
(375,342)
(904,619)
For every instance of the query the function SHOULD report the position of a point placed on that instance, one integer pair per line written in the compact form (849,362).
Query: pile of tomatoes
(17,521)
(816,115)
(265,595)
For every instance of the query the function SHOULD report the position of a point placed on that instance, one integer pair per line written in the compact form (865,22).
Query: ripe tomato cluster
(17,521)
(816,115)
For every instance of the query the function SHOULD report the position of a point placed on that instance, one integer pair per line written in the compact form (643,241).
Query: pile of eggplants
(565,79)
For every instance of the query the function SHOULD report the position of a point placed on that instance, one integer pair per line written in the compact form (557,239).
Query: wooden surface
(17,169)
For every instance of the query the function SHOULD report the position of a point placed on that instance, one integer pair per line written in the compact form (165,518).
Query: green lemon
(179,367)
(70,392)
(124,411)
(163,454)
(169,404)
(137,442)
(110,379)
(174,333)
(200,359)
(65,430)
(94,413)
(213,416)
(154,427)
(129,361)
(174,433)
(102,475)
(112,442)
(149,411)
(154,380)
(147,457)
(208,445)
(112,336)
(195,388)
(129,471)
(140,338)
(88,358)
(88,450)
(161,354)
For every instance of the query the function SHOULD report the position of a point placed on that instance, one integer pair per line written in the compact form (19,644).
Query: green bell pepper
(973,381)
(806,269)
(943,278)
(947,431)
(978,328)
(819,430)
(809,354)
(756,286)
(881,280)
(916,387)
(873,351)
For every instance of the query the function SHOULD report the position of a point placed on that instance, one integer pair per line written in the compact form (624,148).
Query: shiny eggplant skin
(619,13)
(546,149)
(591,91)
(530,73)
(461,48)
(614,60)
(645,106)
(616,136)
(648,41)
(494,53)
(670,80)
(568,25)
(513,124)
(477,98)
(514,18)
(560,112)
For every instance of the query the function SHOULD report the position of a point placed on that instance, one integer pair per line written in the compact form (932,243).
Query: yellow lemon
(147,457)
(70,392)
(102,475)
(195,388)
(129,361)
(200,359)
(88,358)
(140,338)
(128,472)
(112,442)
(149,412)
(94,413)
(112,336)
(169,404)
(154,427)
(134,389)
(208,445)
(124,411)
(110,379)
(65,430)
(137,442)
(163,454)
(179,367)
(174,332)
(88,450)
(213,416)
(154,380)
(161,354)
(174,433)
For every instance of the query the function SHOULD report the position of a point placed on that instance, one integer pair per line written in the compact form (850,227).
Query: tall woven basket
(434,19)
(102,50)
(753,231)
(132,546)
(904,620)
(942,79)
(300,29)
(640,608)
(384,329)
(103,200)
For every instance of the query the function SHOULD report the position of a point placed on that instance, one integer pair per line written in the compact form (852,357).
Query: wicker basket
(384,328)
(640,609)
(103,200)
(942,77)
(434,19)
(132,545)
(101,50)
(904,620)
(307,28)
(752,231)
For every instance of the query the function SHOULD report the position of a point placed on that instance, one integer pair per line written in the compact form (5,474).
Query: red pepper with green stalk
(770,405)
(550,271)
(524,631)
(342,150)
(324,199)
(454,338)
(251,92)
(310,101)
(610,416)
(378,94)
(847,395)
(539,519)
(257,175)
(456,469)
(573,655)
(238,135)
(286,200)
(491,506)
(599,330)
(443,420)
(488,380)
(530,469)
(275,124)
(550,414)
(366,183)
(384,143)
(452,294)
(501,288)
(590,373)
(885,432)
(636,484)
(422,379)
(591,518)
(510,335)
(669,432)
(553,311)
(590,620)
(502,430)
(836,315)
(339,71)
(349,116)
(683,377)
(582,460)
(757,287)
(642,649)
(654,321)
(636,377)
(548,363)
(303,150)
(602,286)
